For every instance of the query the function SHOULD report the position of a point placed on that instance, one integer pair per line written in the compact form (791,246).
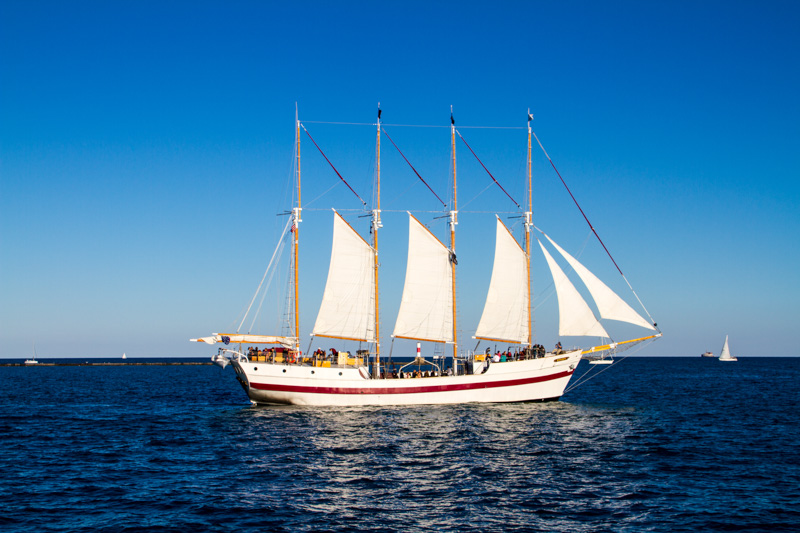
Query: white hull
(517,381)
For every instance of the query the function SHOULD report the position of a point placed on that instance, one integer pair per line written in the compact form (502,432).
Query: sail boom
(511,341)
(442,341)
(343,338)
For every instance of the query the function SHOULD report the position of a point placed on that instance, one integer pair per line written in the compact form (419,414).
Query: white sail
(725,355)
(347,310)
(505,315)
(426,308)
(608,303)
(575,318)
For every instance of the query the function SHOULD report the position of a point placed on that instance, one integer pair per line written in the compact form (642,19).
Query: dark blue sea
(651,444)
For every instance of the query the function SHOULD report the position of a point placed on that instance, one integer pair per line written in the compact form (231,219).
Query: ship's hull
(517,381)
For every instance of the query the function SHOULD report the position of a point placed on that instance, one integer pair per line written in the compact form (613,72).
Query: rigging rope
(412,167)
(487,170)
(269,282)
(269,266)
(331,164)
(476,197)
(577,204)
(593,230)
(587,376)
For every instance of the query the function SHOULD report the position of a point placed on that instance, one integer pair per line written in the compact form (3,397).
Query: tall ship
(273,369)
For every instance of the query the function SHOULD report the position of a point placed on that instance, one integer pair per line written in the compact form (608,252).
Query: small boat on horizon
(32,361)
(707,354)
(725,355)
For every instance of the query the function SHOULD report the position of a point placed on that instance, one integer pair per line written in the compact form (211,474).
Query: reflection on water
(444,466)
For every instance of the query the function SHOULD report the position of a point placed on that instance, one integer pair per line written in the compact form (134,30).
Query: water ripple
(654,445)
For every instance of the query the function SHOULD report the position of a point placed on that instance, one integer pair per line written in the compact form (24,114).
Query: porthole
(284,370)
(312,371)
(255,368)
(340,373)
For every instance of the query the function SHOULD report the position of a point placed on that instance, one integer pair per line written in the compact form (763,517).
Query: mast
(453,222)
(376,223)
(528,224)
(296,237)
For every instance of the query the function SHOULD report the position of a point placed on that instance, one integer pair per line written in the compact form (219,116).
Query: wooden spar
(419,339)
(341,338)
(594,349)
(296,242)
(453,222)
(507,341)
(528,223)
(376,223)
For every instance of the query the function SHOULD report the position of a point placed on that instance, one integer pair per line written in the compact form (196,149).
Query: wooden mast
(296,239)
(528,224)
(376,223)
(453,222)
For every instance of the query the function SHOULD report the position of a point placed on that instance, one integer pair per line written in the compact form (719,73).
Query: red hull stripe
(406,390)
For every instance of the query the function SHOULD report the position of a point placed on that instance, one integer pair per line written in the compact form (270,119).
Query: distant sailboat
(32,361)
(726,353)
(124,356)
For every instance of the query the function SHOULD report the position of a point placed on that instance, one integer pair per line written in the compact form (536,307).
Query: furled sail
(575,318)
(234,338)
(505,315)
(426,309)
(347,310)
(608,303)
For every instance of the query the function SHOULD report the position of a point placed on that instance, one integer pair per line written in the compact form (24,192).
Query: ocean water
(651,444)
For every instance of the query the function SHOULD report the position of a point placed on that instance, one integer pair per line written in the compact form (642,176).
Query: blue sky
(145,148)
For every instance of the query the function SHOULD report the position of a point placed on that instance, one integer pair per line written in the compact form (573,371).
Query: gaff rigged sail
(347,310)
(505,315)
(426,309)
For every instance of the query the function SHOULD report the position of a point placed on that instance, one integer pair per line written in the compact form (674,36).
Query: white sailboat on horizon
(32,361)
(350,311)
(725,354)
